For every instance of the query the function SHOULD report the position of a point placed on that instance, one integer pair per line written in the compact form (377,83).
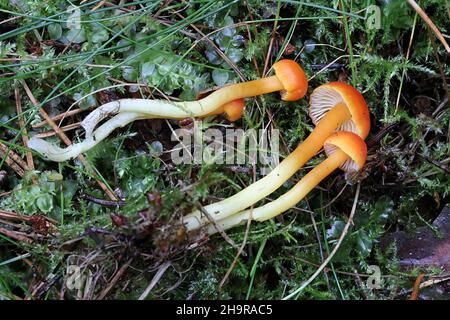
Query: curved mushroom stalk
(333,107)
(289,78)
(345,150)
(52,152)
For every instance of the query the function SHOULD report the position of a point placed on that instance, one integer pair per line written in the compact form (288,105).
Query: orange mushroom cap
(293,78)
(352,145)
(331,94)
(234,109)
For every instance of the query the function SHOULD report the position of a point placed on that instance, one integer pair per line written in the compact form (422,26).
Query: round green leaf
(45,203)
(55,31)
(220,77)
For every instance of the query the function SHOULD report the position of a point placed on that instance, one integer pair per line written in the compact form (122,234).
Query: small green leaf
(76,35)
(45,203)
(364,242)
(100,36)
(147,70)
(220,77)
(55,31)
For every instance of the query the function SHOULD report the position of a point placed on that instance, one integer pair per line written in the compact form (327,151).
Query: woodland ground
(56,219)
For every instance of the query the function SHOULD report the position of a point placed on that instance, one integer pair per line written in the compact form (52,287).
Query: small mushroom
(344,150)
(233,110)
(334,107)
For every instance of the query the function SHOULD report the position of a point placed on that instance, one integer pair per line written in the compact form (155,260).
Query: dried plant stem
(429,23)
(13,160)
(29,155)
(60,116)
(64,129)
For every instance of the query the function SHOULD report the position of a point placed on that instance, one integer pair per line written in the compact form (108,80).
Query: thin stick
(218,228)
(114,280)
(404,66)
(66,140)
(14,156)
(238,254)
(335,249)
(162,269)
(430,23)
(29,155)
(9,161)
(60,116)
(64,129)
(15,235)
(244,241)
(415,291)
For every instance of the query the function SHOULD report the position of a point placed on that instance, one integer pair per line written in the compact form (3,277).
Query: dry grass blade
(13,160)
(430,23)
(52,133)
(60,116)
(30,162)
(162,269)
(415,292)
(114,280)
(18,236)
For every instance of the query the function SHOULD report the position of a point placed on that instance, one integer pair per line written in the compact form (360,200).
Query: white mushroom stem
(183,109)
(287,200)
(55,153)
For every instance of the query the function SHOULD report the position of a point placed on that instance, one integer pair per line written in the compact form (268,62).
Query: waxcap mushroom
(345,108)
(352,145)
(327,96)
(293,78)
(233,110)
(345,150)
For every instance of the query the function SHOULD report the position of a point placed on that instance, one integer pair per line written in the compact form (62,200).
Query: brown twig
(239,252)
(13,216)
(60,116)
(335,249)
(114,280)
(162,269)
(10,157)
(243,244)
(66,140)
(52,133)
(217,227)
(8,215)
(416,288)
(441,69)
(102,202)
(15,235)
(14,156)
(430,23)
(29,155)
(217,49)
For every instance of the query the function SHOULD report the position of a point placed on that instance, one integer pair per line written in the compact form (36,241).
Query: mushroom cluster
(334,107)
(337,109)
(344,149)
(289,79)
